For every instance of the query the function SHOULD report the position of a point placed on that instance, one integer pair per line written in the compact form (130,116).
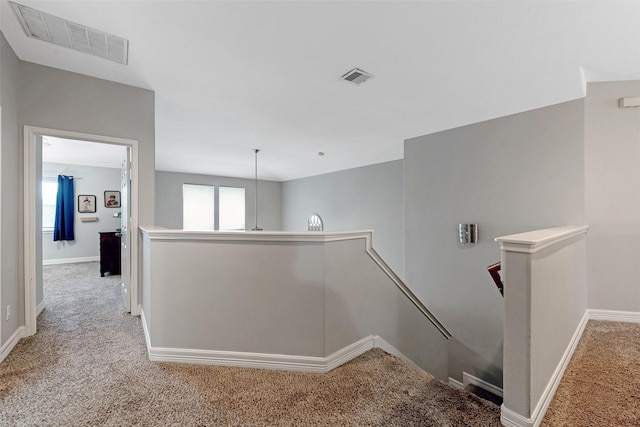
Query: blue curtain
(65,208)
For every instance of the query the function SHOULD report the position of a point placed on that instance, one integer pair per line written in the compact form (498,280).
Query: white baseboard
(614,316)
(70,260)
(470,379)
(379,342)
(456,384)
(11,343)
(261,360)
(147,337)
(40,308)
(137,310)
(278,362)
(510,418)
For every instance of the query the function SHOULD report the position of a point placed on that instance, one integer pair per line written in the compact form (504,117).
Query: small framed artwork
(86,203)
(112,199)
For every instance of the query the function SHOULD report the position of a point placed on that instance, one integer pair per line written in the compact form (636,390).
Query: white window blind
(232,212)
(198,207)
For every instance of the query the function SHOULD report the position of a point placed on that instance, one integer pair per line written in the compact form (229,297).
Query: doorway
(33,223)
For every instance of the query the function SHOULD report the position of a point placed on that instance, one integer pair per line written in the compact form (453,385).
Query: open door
(125,226)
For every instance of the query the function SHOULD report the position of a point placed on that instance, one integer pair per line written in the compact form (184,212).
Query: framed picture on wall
(86,203)
(112,199)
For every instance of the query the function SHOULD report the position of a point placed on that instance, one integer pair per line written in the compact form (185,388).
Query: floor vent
(49,28)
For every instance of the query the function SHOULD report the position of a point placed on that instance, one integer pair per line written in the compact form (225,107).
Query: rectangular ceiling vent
(356,76)
(52,29)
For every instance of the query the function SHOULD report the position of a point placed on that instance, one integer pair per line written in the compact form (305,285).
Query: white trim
(40,308)
(614,316)
(379,342)
(534,241)
(29,231)
(279,362)
(456,384)
(470,379)
(70,260)
(511,418)
(508,418)
(163,234)
(1,222)
(11,343)
(147,337)
(29,188)
(350,352)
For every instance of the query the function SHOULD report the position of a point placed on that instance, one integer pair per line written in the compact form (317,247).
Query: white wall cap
(533,241)
(159,233)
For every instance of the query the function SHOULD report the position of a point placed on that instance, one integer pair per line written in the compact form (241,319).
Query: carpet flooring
(601,385)
(87,366)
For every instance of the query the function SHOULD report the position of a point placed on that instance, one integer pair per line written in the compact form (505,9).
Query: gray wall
(368,197)
(315,298)
(169,198)
(508,175)
(88,180)
(11,280)
(612,153)
(57,99)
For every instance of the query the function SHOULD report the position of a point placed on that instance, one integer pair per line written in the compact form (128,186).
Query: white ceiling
(231,76)
(74,152)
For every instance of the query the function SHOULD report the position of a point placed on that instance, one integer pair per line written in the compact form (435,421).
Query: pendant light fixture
(256,228)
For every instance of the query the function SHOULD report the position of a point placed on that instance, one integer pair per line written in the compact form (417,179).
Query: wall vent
(356,76)
(49,28)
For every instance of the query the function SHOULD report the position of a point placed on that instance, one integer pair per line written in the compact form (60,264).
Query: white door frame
(31,228)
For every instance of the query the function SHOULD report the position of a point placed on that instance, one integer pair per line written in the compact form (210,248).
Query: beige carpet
(87,366)
(601,386)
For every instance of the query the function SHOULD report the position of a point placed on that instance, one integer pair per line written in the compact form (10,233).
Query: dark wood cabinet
(109,252)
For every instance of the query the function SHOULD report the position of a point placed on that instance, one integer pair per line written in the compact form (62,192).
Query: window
(198,207)
(49,195)
(231,208)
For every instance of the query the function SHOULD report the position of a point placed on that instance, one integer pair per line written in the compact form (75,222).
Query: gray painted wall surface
(58,99)
(360,300)
(93,181)
(545,301)
(612,153)
(169,198)
(304,298)
(368,197)
(11,280)
(508,175)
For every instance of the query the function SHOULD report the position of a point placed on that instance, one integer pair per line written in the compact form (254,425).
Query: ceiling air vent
(52,29)
(356,76)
